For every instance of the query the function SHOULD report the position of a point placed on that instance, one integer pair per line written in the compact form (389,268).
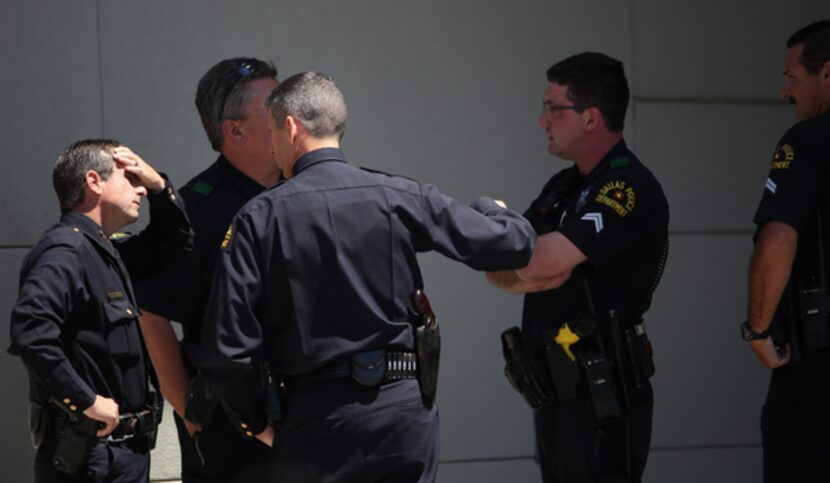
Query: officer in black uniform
(788,273)
(603,226)
(75,321)
(231,102)
(316,275)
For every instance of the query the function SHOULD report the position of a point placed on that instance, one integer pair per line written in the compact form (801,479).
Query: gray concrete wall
(447,92)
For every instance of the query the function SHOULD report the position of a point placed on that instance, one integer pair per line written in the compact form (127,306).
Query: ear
(232,132)
(294,128)
(592,118)
(824,73)
(93,184)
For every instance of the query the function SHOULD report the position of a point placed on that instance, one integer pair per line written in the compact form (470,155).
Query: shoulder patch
(784,155)
(202,188)
(621,162)
(226,241)
(618,196)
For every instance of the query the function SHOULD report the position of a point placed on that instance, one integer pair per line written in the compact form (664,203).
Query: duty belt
(399,365)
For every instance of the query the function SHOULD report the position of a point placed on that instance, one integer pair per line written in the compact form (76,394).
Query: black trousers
(795,422)
(228,456)
(340,431)
(572,449)
(125,462)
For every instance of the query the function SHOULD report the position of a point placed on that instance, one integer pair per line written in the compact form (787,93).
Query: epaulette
(67,234)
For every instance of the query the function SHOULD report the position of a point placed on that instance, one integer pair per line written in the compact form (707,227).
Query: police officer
(788,272)
(317,275)
(75,321)
(231,101)
(602,227)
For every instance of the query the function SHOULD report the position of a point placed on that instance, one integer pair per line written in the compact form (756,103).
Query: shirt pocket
(121,330)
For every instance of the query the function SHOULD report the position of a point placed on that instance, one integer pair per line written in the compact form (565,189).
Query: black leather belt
(399,365)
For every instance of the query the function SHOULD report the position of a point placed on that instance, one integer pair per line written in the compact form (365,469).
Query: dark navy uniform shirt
(324,265)
(794,191)
(796,188)
(212,198)
(75,321)
(618,216)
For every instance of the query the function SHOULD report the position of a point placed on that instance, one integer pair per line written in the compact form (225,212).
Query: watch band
(749,335)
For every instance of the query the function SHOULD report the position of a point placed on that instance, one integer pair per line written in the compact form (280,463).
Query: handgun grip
(422,305)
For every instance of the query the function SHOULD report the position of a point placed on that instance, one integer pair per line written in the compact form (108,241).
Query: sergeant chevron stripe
(771,186)
(596,218)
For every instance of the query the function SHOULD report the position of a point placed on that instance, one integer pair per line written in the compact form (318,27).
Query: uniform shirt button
(243,426)
(73,408)
(129,311)
(76,230)
(249,434)
(67,400)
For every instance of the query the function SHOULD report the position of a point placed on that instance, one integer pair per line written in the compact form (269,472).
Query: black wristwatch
(749,335)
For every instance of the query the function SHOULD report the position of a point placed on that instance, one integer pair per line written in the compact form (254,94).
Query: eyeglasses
(244,71)
(550,107)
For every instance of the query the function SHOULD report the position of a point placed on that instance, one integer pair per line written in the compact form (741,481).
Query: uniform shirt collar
(318,156)
(619,149)
(246,185)
(89,227)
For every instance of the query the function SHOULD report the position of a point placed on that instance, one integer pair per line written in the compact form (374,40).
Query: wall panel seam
(100,66)
(654,449)
(747,101)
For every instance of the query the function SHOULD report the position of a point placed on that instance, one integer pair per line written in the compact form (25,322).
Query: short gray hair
(69,175)
(314,100)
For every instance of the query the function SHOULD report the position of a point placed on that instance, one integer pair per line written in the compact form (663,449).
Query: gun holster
(74,441)
(523,372)
(41,423)
(428,347)
(564,372)
(560,348)
(201,401)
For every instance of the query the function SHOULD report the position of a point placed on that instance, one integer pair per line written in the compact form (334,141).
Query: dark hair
(75,161)
(816,40)
(221,93)
(314,100)
(595,79)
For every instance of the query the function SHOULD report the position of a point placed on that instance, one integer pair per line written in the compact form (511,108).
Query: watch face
(746,334)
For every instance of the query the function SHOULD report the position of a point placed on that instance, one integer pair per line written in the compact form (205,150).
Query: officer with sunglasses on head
(231,102)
